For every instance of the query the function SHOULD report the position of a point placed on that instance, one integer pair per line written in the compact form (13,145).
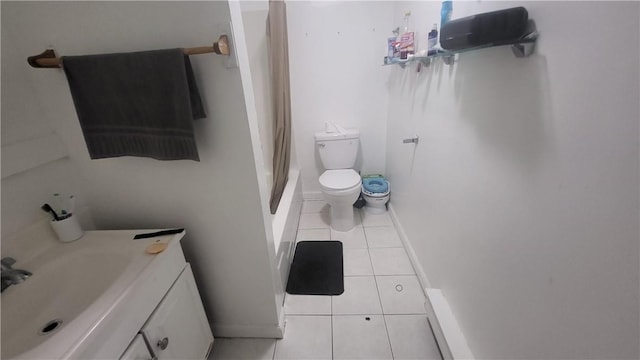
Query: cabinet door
(137,350)
(178,328)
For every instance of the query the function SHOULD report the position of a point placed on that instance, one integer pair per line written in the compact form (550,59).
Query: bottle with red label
(407,39)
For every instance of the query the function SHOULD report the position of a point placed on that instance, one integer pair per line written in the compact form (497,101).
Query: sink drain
(50,327)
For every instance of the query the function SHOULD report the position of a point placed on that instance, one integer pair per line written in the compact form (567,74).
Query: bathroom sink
(60,288)
(75,289)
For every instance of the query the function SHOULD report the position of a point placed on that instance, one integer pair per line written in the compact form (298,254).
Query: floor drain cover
(50,326)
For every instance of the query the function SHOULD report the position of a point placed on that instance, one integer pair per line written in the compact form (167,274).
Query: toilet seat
(339,180)
(382,189)
(375,185)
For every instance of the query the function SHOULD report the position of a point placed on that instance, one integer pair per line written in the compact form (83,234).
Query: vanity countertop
(92,285)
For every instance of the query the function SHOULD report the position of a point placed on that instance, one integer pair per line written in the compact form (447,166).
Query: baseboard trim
(249,331)
(451,340)
(422,276)
(312,195)
(282,323)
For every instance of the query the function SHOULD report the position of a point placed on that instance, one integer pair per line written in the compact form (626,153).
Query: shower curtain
(279,56)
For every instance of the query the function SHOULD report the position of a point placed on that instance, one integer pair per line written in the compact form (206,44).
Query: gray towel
(136,104)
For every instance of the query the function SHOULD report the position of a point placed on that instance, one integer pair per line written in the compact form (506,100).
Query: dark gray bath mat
(317,269)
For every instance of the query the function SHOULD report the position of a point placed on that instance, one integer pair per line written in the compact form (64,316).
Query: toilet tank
(338,150)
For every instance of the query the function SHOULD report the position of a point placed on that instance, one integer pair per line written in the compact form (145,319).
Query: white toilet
(340,184)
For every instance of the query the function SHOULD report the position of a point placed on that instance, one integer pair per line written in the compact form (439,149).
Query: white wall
(522,199)
(214,199)
(23,123)
(335,55)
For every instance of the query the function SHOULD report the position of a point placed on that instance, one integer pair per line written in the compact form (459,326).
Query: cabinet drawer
(178,328)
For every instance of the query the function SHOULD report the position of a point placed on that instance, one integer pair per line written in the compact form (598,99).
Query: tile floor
(380,315)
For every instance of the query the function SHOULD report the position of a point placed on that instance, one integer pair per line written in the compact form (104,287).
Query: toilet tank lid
(338,135)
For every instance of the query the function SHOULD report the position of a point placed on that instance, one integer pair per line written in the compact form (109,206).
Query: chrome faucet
(11,276)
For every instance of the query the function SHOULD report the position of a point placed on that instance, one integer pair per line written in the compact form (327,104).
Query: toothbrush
(58,203)
(64,205)
(72,204)
(49,209)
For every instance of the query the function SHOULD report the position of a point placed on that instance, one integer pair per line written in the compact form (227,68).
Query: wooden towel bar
(48,58)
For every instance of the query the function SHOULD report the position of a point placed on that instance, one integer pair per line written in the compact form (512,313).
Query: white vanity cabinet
(177,328)
(137,350)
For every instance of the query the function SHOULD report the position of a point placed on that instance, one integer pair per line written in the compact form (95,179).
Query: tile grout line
(389,275)
(275,343)
(357,314)
(384,317)
(331,305)
(384,320)
(331,314)
(366,241)
(332,350)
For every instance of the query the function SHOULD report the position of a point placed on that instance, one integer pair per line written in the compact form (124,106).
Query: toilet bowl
(340,189)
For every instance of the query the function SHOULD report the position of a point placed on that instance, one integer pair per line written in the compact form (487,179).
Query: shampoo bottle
(432,40)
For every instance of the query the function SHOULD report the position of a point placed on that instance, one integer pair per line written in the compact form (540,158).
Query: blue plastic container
(445,12)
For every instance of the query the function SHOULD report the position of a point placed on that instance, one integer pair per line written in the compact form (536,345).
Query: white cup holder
(67,229)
